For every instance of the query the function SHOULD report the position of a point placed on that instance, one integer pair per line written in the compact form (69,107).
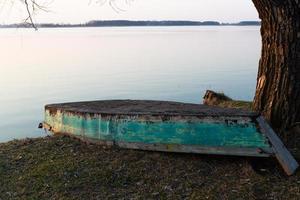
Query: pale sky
(80,11)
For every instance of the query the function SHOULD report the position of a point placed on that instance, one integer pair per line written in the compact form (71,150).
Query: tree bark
(278,83)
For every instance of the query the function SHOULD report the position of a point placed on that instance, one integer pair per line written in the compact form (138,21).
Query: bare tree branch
(30,14)
(32,6)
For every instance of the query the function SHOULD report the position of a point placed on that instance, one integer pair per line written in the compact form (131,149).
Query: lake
(160,63)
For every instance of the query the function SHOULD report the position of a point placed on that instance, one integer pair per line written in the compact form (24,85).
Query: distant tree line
(123,23)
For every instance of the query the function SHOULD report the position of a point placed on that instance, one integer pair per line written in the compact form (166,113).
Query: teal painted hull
(205,132)
(169,127)
(161,126)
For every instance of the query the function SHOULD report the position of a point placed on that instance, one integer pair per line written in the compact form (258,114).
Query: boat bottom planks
(170,127)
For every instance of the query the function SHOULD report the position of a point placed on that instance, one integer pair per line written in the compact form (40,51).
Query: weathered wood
(248,152)
(284,157)
(176,148)
(45,126)
(212,98)
(147,107)
(166,127)
(153,128)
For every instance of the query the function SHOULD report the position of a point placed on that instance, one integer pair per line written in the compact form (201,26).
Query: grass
(236,104)
(222,100)
(59,167)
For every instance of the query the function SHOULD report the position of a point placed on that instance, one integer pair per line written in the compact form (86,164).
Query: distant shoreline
(128,23)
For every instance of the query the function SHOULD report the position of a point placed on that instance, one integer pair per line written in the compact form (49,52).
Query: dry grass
(59,167)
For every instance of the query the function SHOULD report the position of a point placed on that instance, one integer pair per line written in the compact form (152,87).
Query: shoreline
(61,167)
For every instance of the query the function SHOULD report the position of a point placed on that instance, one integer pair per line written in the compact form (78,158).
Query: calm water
(166,63)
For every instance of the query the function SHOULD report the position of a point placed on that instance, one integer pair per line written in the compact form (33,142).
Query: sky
(81,11)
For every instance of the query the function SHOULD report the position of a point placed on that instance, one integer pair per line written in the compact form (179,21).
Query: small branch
(31,6)
(30,14)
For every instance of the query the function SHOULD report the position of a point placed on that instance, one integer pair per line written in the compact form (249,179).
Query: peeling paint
(207,131)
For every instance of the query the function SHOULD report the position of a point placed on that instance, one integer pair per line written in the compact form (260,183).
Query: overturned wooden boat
(170,127)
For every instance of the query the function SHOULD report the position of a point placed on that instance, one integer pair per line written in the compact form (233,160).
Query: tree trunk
(278,83)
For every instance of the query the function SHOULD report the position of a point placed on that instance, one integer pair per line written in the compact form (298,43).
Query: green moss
(236,104)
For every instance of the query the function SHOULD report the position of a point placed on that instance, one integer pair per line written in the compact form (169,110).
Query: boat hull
(164,126)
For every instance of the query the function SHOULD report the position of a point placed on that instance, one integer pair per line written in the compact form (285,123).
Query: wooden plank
(284,157)
(249,152)
(147,107)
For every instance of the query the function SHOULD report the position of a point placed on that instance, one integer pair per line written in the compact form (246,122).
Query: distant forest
(124,23)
